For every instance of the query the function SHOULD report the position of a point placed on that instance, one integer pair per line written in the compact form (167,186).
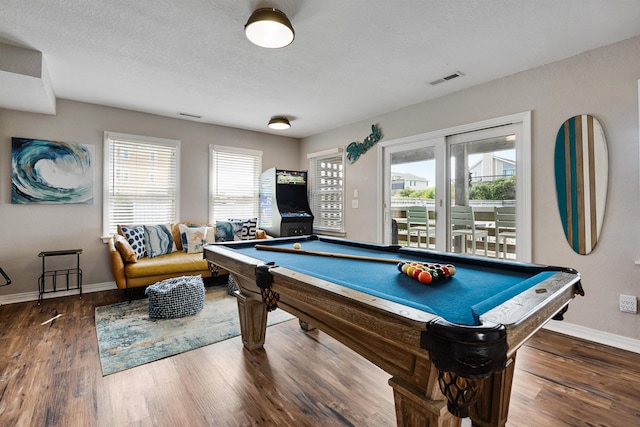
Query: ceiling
(350,60)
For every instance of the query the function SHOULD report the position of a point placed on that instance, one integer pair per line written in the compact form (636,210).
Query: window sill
(331,233)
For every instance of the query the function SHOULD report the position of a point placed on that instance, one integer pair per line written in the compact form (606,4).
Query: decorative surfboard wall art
(582,174)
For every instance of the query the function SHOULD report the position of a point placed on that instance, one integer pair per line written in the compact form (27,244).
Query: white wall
(26,230)
(603,83)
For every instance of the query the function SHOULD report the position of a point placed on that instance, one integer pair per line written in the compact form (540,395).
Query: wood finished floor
(50,375)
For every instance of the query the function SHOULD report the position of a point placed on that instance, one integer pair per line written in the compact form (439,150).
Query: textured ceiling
(350,60)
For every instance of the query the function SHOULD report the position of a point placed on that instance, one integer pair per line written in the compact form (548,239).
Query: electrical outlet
(628,304)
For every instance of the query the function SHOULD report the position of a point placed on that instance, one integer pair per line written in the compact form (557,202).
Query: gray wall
(26,230)
(603,83)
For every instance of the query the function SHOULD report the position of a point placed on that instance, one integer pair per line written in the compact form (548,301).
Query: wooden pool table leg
(253,321)
(414,408)
(493,409)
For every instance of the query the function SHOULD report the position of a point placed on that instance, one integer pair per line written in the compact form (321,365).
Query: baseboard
(33,296)
(599,337)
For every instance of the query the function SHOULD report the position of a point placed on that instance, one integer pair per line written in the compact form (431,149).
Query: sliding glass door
(485,166)
(483,178)
(411,186)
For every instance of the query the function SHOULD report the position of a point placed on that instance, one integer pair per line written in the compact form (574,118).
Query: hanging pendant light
(269,27)
(279,123)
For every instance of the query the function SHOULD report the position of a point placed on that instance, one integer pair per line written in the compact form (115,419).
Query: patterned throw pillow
(158,240)
(248,228)
(228,231)
(192,238)
(135,236)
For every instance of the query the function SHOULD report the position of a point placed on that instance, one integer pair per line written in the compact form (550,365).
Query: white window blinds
(234,183)
(141,180)
(327,190)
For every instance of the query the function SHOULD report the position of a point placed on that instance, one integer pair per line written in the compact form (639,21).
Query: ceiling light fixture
(268,27)
(279,123)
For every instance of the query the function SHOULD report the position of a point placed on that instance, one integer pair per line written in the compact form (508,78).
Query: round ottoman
(177,297)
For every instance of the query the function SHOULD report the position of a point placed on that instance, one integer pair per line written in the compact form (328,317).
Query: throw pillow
(192,238)
(125,249)
(228,231)
(177,239)
(248,228)
(210,236)
(135,236)
(158,240)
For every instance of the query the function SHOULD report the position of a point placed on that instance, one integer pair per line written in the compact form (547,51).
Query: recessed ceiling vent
(190,115)
(447,78)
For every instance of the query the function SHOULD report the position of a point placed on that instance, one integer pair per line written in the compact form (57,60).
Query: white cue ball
(296,246)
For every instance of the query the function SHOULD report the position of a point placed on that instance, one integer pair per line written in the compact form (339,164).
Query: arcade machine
(284,207)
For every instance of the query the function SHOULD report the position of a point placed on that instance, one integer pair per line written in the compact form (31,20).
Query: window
(234,183)
(327,190)
(140,180)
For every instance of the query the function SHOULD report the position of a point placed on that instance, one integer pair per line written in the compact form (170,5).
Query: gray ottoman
(177,297)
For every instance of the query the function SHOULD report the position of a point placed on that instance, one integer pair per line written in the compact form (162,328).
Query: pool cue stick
(327,254)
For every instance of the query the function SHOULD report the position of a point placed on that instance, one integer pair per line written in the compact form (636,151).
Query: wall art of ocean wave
(51,172)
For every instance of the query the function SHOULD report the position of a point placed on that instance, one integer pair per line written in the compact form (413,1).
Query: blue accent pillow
(158,240)
(228,231)
(135,236)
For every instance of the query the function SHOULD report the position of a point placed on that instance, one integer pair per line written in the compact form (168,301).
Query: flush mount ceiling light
(279,123)
(268,27)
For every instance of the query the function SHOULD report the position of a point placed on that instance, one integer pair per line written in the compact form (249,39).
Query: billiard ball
(452,269)
(296,246)
(425,277)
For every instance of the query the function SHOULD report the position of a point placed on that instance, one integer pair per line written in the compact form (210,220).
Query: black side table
(54,274)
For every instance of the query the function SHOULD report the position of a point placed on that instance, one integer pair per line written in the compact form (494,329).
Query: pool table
(449,346)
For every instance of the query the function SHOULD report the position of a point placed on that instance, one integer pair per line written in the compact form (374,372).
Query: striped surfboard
(581,169)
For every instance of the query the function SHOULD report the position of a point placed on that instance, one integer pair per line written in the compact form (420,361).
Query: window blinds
(234,185)
(142,181)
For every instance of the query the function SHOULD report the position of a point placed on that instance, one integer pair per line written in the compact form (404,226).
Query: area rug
(127,337)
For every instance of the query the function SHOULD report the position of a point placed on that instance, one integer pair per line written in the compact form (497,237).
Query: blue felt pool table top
(476,287)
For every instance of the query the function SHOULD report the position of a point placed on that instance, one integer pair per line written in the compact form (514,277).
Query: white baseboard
(599,337)
(33,296)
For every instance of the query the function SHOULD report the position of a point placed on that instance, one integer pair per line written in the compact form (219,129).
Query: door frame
(407,144)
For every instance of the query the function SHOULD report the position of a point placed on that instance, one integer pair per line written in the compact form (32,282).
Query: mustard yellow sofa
(131,272)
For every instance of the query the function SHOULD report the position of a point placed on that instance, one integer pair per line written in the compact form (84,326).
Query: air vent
(190,115)
(447,78)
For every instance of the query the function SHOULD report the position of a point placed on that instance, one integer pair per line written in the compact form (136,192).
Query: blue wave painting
(51,172)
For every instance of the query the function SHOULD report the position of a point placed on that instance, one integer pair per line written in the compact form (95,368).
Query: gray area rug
(127,337)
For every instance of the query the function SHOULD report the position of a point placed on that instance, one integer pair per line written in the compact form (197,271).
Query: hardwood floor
(50,375)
